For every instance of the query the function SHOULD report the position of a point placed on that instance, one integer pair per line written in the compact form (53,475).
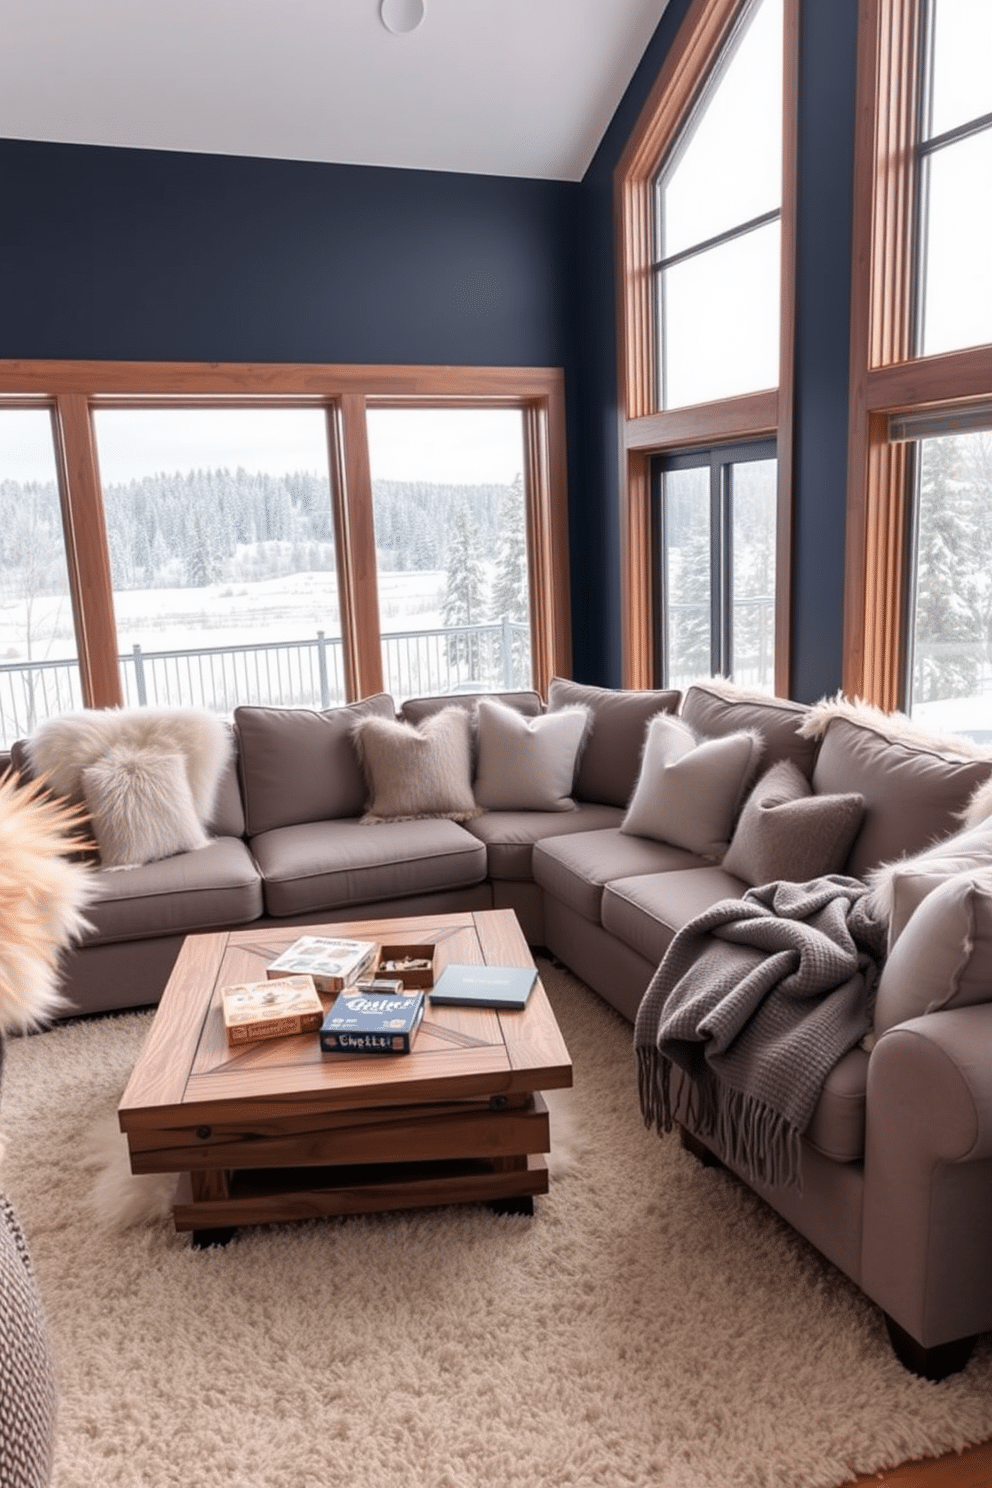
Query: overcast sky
(457,446)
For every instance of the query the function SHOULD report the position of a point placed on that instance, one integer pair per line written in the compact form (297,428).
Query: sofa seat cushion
(574,869)
(646,911)
(837,1128)
(215,885)
(512,836)
(328,865)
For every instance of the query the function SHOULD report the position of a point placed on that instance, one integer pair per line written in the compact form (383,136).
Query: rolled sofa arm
(927,1231)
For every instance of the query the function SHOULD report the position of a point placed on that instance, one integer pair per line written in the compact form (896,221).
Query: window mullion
(87,552)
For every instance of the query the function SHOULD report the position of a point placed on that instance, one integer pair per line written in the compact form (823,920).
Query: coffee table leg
(213,1184)
(513,1203)
(521,1204)
(204,1239)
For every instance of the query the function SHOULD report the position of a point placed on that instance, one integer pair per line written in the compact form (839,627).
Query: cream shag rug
(653,1326)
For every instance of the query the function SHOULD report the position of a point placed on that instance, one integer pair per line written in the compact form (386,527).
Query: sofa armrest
(927,1232)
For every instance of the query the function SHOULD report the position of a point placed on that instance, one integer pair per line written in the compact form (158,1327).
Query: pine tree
(464,591)
(688,576)
(947,638)
(511,587)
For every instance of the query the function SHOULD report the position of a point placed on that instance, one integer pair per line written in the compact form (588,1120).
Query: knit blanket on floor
(756,1000)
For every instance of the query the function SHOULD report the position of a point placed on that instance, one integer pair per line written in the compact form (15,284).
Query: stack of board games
(374,1017)
(264,1010)
(332,963)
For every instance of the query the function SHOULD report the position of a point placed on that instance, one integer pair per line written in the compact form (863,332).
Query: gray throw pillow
(527,764)
(943,957)
(787,832)
(415,773)
(689,790)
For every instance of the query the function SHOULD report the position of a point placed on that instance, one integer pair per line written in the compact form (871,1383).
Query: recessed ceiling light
(402,16)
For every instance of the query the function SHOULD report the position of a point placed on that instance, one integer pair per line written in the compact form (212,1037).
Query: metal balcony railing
(304,674)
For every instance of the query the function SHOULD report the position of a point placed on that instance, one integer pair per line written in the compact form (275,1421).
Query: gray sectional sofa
(896,1184)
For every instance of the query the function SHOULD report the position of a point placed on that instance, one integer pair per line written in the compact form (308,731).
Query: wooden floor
(972,1469)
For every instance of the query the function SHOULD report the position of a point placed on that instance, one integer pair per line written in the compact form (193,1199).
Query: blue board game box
(365,1021)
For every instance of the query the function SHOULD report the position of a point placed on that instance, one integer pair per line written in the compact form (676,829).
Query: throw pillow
(943,957)
(141,805)
(527,764)
(62,748)
(959,853)
(688,791)
(413,773)
(786,832)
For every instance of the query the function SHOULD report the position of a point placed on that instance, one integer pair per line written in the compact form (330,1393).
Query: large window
(705,202)
(38,670)
(916,624)
(717,236)
(715,543)
(215,535)
(954,286)
(948,660)
(221,538)
(451,547)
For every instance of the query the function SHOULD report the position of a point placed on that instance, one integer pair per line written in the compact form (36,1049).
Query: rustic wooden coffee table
(279,1131)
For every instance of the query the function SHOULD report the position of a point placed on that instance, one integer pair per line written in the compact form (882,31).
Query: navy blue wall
(826,148)
(148,254)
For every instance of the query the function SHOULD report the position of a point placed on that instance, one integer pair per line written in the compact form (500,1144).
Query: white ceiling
(495,87)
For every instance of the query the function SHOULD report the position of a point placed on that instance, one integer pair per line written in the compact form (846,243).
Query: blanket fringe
(748,1135)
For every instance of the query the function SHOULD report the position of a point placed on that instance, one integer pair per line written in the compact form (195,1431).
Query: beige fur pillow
(141,806)
(413,773)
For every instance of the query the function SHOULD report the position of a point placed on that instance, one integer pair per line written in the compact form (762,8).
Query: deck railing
(301,673)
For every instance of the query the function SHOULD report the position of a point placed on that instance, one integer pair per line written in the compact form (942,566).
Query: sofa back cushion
(715,708)
(301,766)
(415,710)
(914,792)
(611,755)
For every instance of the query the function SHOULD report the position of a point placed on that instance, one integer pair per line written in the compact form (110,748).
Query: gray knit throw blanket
(756,1000)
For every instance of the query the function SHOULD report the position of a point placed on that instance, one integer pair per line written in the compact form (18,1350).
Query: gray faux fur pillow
(414,773)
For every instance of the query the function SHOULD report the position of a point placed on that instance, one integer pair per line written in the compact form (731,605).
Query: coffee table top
(187,1070)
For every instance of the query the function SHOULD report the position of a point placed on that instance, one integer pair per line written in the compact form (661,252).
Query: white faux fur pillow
(413,773)
(141,806)
(63,747)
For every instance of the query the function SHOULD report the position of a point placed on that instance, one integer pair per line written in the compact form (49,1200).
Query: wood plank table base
(280,1132)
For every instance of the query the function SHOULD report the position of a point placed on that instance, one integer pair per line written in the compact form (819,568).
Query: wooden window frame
(646,431)
(885,376)
(73,389)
